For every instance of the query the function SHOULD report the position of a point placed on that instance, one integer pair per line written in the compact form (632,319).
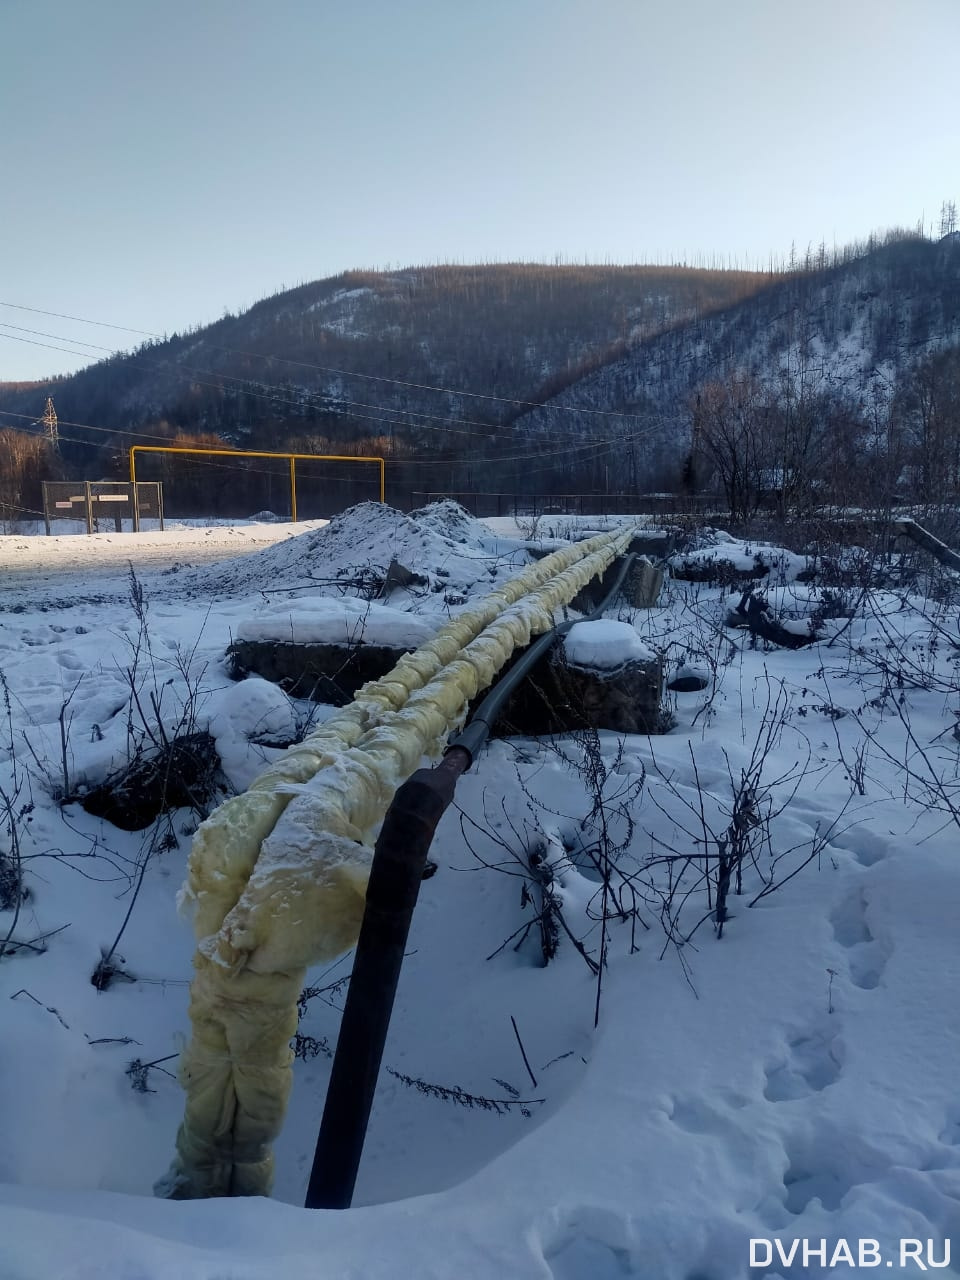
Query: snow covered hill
(348,355)
(849,334)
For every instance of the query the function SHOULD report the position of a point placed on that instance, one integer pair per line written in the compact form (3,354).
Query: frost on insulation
(604,645)
(346,621)
(348,793)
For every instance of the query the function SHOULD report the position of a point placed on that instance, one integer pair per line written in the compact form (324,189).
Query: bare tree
(731,430)
(948,217)
(927,412)
(26,460)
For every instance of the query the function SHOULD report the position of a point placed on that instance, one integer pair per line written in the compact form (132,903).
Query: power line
(566,448)
(164,440)
(87,426)
(274,397)
(12,506)
(334,406)
(330,408)
(601,450)
(396,420)
(340,373)
(247,468)
(103,324)
(601,446)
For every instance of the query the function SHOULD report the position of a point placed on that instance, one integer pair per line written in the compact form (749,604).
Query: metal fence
(586,504)
(102,502)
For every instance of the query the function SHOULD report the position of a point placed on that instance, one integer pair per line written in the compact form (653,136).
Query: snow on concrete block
(604,645)
(324,620)
(600,676)
(610,678)
(325,649)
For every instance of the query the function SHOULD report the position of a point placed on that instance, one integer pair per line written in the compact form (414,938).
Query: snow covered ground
(54,567)
(793,1080)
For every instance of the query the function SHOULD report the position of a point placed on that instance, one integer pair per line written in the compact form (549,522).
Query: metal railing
(536,505)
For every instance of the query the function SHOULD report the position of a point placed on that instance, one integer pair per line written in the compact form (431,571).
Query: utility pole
(49,421)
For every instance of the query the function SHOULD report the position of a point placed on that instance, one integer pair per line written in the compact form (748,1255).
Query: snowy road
(65,565)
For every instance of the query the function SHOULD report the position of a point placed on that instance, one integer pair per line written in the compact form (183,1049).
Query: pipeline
(277,876)
(485,717)
(399,861)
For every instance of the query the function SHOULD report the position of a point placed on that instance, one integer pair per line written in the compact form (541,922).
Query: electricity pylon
(49,421)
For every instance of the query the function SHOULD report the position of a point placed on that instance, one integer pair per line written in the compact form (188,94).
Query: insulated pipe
(277,876)
(227,845)
(485,717)
(399,860)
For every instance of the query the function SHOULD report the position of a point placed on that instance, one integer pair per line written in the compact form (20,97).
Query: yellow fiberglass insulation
(277,876)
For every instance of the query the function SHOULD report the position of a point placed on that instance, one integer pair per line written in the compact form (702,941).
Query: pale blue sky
(162,160)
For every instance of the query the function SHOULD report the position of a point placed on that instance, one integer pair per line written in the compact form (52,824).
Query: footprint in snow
(812,1062)
(826,1166)
(867,847)
(950,1134)
(866,957)
(694,1115)
(70,662)
(591,1244)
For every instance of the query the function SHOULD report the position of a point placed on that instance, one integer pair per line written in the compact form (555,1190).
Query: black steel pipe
(476,733)
(399,863)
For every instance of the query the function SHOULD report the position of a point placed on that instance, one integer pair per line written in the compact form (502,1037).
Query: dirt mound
(441,542)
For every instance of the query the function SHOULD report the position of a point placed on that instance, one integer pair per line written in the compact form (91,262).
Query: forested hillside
(512,331)
(348,363)
(841,382)
(837,380)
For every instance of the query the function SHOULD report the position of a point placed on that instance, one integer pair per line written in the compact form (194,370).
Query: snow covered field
(59,566)
(793,1080)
